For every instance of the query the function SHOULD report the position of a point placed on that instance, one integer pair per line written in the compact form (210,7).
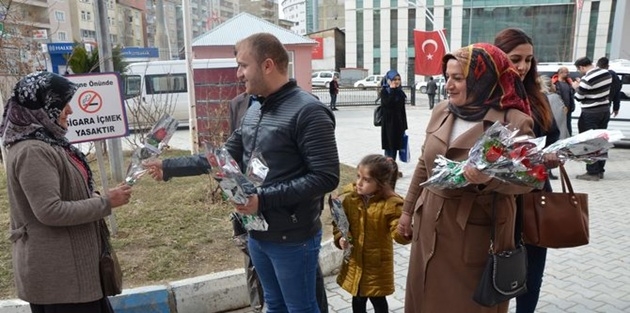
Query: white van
(370,81)
(322,78)
(622,68)
(154,88)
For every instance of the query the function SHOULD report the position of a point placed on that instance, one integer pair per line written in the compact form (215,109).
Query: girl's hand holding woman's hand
(475,176)
(343,243)
(404,226)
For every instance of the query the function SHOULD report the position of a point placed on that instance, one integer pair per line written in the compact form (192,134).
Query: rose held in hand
(493,154)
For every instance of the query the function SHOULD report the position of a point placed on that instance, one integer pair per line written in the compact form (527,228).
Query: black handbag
(505,274)
(378,114)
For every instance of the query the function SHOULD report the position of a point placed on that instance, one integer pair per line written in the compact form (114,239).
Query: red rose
(159,134)
(539,172)
(493,154)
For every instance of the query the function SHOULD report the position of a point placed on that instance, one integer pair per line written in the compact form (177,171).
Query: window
(131,86)
(165,83)
(60,16)
(62,36)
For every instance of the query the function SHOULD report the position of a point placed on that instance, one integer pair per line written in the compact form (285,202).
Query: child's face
(366,185)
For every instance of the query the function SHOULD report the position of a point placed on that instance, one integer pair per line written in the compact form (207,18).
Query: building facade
(379,33)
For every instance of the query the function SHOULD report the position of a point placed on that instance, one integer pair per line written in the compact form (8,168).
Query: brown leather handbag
(556,219)
(110,271)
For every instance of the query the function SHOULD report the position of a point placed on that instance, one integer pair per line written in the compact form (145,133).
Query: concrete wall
(218,292)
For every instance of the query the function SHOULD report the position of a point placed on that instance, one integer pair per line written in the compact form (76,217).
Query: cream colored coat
(451,228)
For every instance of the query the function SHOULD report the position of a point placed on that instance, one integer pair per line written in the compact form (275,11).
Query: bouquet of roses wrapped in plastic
(341,221)
(498,153)
(589,146)
(155,142)
(236,185)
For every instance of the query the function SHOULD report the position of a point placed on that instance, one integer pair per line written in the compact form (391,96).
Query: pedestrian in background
(615,86)
(56,213)
(431,91)
(593,92)
(451,228)
(558,108)
(562,81)
(394,122)
(333,89)
(519,48)
(295,134)
(373,209)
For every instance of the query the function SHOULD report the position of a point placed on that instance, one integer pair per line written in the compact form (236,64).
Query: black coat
(394,118)
(295,134)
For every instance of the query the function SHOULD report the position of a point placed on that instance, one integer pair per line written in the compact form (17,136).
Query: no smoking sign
(98,108)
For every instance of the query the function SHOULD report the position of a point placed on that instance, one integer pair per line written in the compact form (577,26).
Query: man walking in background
(333,89)
(615,86)
(431,90)
(593,91)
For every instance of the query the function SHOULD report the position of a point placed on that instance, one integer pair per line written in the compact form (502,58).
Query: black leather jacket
(295,134)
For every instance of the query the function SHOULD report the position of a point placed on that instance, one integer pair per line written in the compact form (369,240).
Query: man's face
(563,73)
(250,72)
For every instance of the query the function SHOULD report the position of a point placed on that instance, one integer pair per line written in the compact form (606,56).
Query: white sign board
(98,110)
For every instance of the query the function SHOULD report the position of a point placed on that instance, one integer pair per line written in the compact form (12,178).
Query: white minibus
(154,88)
(622,68)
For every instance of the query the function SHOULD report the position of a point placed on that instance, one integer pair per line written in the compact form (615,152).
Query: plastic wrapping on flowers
(341,222)
(155,142)
(236,185)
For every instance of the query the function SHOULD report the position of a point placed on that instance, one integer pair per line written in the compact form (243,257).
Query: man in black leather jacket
(295,133)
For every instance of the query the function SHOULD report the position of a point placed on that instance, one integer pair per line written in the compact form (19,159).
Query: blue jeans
(287,273)
(536,258)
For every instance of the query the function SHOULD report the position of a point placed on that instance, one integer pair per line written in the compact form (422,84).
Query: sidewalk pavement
(592,278)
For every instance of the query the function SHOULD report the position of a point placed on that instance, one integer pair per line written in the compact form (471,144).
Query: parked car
(322,78)
(422,86)
(370,81)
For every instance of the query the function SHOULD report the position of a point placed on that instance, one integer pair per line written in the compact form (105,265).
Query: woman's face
(521,57)
(395,82)
(63,117)
(455,83)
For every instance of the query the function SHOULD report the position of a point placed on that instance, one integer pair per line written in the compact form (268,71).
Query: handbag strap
(518,227)
(564,180)
(104,234)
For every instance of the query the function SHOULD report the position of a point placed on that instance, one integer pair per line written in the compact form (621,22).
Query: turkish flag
(429,48)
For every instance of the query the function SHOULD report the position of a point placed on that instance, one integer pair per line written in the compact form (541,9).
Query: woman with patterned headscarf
(54,209)
(451,227)
(394,115)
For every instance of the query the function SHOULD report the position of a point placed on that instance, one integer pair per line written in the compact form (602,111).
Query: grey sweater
(56,247)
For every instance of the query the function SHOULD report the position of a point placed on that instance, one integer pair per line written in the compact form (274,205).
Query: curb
(217,292)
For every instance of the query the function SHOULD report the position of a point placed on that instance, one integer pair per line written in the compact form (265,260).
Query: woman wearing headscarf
(451,227)
(54,211)
(519,48)
(394,121)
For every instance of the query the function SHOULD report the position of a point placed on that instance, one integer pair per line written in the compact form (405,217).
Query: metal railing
(350,96)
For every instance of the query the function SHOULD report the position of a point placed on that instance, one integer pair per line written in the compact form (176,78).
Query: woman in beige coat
(55,212)
(451,227)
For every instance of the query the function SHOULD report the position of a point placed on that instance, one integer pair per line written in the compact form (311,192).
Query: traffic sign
(98,109)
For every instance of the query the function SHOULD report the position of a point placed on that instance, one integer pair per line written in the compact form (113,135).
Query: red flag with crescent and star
(429,48)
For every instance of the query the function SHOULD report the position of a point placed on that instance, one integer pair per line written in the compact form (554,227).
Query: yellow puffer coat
(370,270)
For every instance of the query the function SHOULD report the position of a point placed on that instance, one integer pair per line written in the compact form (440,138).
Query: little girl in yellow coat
(373,209)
